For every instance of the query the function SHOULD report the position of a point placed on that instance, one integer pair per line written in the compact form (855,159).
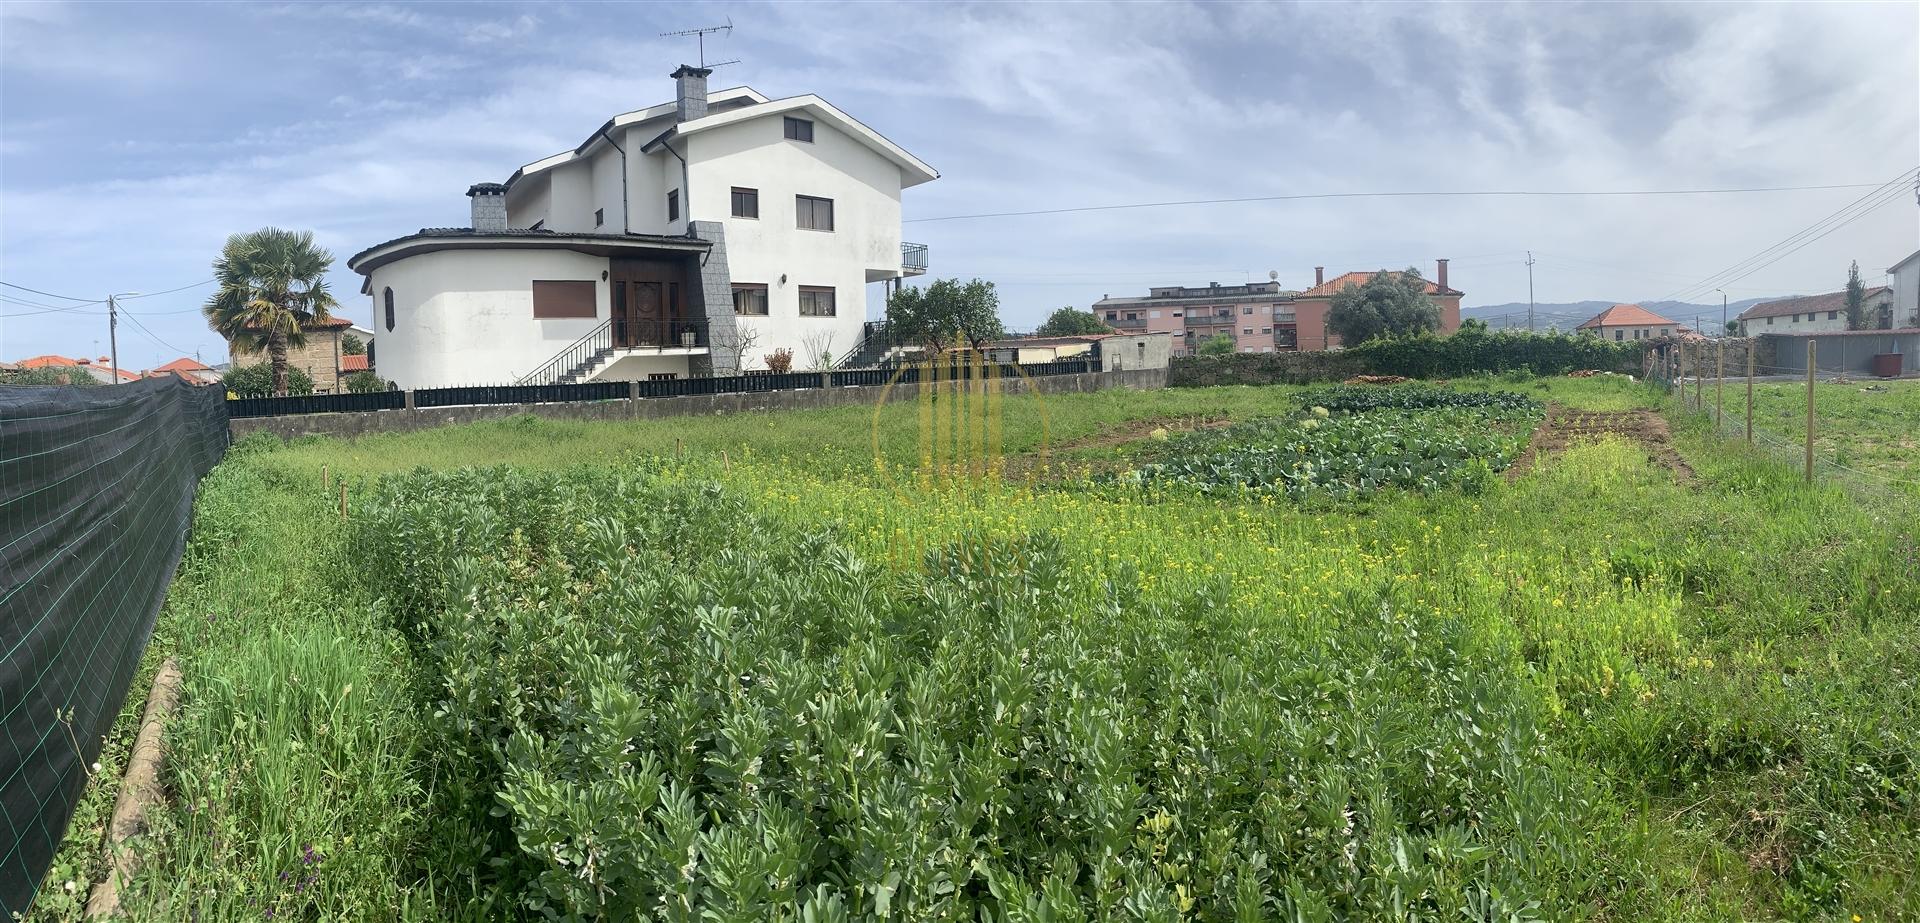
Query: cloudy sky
(135,137)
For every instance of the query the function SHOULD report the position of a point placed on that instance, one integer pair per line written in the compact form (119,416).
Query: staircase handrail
(569,358)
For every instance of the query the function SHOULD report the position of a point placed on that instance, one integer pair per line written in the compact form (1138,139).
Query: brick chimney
(489,206)
(690,92)
(1319,275)
(1442,280)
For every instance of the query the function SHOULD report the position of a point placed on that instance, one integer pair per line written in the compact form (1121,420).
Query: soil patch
(1084,455)
(1564,425)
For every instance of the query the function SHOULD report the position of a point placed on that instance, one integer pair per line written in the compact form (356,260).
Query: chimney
(690,92)
(489,206)
(1442,280)
(1319,276)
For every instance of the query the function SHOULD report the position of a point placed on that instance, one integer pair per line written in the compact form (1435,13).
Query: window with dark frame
(673,205)
(799,130)
(816,301)
(1833,315)
(746,202)
(750,299)
(599,217)
(387,296)
(812,213)
(662,376)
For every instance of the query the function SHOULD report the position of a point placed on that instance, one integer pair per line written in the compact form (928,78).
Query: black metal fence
(750,383)
(96,488)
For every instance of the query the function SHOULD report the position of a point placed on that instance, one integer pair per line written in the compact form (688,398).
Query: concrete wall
(351,425)
(1850,353)
(1142,351)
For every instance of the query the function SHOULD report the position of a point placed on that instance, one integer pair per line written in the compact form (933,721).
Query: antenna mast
(700,35)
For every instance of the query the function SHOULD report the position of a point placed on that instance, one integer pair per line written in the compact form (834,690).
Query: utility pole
(1529,291)
(1723,310)
(113,337)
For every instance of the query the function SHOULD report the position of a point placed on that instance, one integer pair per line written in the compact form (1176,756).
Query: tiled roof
(182,364)
(1803,334)
(1335,284)
(1807,304)
(353,363)
(41,362)
(1626,315)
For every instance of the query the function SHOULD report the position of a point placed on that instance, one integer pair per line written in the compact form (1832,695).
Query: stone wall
(319,358)
(400,421)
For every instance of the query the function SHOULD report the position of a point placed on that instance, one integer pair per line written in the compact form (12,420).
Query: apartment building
(1262,317)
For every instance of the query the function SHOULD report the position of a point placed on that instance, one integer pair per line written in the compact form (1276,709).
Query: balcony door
(646,302)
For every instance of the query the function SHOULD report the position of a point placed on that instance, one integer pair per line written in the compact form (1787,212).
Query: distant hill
(1568,315)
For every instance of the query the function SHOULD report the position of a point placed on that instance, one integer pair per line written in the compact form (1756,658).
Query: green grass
(1593,687)
(1870,426)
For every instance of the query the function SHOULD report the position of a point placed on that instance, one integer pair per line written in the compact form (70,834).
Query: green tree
(273,287)
(364,382)
(58,375)
(1733,328)
(1071,321)
(351,345)
(1220,344)
(1389,304)
(1856,299)
(256,380)
(945,314)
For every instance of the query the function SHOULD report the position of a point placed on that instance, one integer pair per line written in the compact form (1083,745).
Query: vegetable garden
(1315,664)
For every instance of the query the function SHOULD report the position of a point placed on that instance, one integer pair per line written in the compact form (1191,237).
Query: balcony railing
(658,334)
(913,259)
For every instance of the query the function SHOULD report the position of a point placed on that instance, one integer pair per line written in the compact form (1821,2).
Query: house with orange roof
(100,370)
(191,371)
(1624,322)
(1311,306)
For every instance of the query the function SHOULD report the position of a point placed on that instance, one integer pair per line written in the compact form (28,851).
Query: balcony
(913,259)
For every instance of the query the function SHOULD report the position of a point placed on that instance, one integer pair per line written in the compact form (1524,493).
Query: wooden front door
(647,309)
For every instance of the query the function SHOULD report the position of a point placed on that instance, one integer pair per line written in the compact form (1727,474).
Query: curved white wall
(465,317)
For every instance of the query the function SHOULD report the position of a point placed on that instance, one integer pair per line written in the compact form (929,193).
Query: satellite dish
(1273,275)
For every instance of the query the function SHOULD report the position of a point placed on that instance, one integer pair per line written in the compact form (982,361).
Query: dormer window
(599,217)
(799,130)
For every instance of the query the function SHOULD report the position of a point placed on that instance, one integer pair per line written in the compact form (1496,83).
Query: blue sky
(134,137)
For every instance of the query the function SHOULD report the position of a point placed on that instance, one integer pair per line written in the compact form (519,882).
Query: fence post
(1811,353)
(409,394)
(1720,385)
(633,389)
(826,378)
(343,498)
(1750,351)
(1699,350)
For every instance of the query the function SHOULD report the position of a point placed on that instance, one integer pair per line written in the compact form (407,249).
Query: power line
(150,335)
(1389,195)
(1883,193)
(52,295)
(171,290)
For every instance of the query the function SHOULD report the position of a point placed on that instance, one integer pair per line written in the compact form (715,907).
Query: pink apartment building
(1261,317)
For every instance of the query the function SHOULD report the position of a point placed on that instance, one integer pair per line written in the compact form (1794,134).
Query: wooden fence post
(343,498)
(1699,351)
(1750,351)
(1811,354)
(1719,384)
(326,479)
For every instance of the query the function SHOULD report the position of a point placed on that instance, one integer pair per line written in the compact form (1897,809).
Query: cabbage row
(1360,398)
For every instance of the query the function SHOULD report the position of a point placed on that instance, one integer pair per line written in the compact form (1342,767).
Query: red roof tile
(182,364)
(1808,304)
(353,363)
(1328,288)
(1626,315)
(41,362)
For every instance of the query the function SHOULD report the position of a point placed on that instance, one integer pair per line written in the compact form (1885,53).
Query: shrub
(1470,351)
(257,381)
(365,383)
(67,375)
(780,361)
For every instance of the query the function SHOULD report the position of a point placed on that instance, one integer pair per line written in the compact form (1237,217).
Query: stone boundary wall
(350,425)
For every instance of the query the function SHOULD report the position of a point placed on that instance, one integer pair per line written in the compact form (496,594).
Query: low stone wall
(350,425)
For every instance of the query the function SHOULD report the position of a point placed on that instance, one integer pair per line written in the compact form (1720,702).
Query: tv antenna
(700,35)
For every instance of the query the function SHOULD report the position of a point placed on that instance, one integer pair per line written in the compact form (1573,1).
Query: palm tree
(273,287)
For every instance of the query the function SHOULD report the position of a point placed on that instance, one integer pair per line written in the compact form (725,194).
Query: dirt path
(1564,425)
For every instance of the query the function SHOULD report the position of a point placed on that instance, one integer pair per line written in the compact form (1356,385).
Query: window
(746,202)
(599,217)
(1113,315)
(388,297)
(750,299)
(1133,315)
(1833,315)
(673,205)
(1266,330)
(563,299)
(1153,314)
(662,376)
(1619,334)
(1769,321)
(1247,310)
(1176,314)
(813,214)
(1246,331)
(799,130)
(816,301)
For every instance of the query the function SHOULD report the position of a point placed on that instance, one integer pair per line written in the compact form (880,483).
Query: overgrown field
(725,669)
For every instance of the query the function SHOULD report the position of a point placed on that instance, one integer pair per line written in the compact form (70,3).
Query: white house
(1906,291)
(1812,313)
(689,238)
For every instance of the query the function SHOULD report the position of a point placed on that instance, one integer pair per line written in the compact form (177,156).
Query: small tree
(1220,344)
(1856,299)
(273,288)
(1070,321)
(351,345)
(364,382)
(55,375)
(736,343)
(780,361)
(1733,328)
(818,350)
(1389,304)
(945,314)
(257,381)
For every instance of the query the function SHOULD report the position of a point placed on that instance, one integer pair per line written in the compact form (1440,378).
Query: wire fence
(96,490)
(1735,397)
